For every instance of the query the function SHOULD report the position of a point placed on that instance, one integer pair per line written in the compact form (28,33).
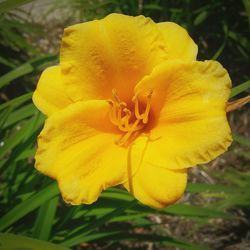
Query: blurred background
(215,211)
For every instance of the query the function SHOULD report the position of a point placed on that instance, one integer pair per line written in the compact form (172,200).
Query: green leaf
(45,219)
(208,188)
(17,242)
(200,18)
(15,73)
(219,51)
(15,138)
(241,140)
(26,154)
(128,217)
(115,193)
(16,101)
(88,228)
(20,114)
(152,6)
(117,235)
(28,205)
(7,62)
(247,7)
(4,115)
(237,200)
(67,216)
(12,4)
(21,134)
(242,154)
(224,43)
(25,69)
(110,200)
(240,88)
(195,211)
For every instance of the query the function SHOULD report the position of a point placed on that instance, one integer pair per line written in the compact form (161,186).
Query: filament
(128,121)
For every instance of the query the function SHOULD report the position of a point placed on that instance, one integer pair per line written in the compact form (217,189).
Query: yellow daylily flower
(129,104)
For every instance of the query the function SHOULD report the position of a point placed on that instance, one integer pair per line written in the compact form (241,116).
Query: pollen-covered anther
(128,121)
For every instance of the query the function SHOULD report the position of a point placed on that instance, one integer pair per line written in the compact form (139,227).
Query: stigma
(130,121)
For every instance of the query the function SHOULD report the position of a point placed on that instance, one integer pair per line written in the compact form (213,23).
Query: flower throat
(131,122)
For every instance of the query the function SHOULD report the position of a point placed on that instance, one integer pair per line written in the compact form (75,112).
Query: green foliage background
(32,214)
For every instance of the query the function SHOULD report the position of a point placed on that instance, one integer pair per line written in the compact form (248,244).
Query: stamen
(112,113)
(114,93)
(137,110)
(121,116)
(125,138)
(127,117)
(146,112)
(143,116)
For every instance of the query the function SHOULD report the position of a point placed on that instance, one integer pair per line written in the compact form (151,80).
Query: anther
(123,118)
(125,138)
(143,116)
(127,117)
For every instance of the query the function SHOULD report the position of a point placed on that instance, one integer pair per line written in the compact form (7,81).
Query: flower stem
(237,104)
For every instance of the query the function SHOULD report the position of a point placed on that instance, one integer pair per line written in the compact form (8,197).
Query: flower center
(129,120)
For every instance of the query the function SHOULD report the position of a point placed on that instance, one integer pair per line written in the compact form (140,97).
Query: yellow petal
(188,103)
(49,95)
(111,53)
(77,147)
(179,44)
(157,187)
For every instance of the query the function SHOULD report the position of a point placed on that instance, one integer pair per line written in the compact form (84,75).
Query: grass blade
(28,205)
(45,219)
(12,241)
(115,236)
(240,88)
(17,101)
(195,211)
(241,140)
(20,114)
(21,134)
(15,73)
(93,225)
(25,69)
(208,188)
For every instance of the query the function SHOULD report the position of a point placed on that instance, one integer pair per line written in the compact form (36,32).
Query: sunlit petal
(78,148)
(190,125)
(179,44)
(111,53)
(157,187)
(50,95)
